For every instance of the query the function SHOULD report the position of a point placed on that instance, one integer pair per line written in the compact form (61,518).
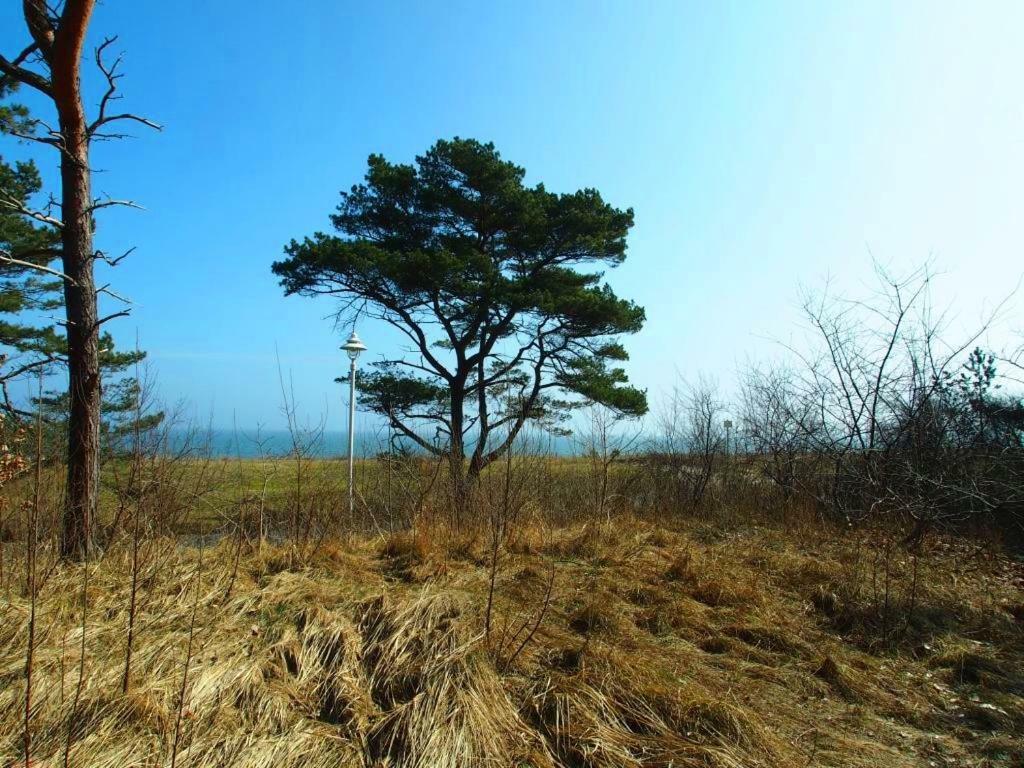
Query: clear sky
(762,146)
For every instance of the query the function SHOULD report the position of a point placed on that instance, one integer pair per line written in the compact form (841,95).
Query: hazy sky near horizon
(763,146)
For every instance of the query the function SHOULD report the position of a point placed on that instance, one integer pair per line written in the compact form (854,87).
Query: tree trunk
(457,457)
(460,489)
(83,360)
(79,295)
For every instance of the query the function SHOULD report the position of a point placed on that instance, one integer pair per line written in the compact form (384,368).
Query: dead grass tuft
(968,667)
(467,547)
(718,723)
(660,537)
(641,594)
(654,621)
(527,539)
(838,678)
(326,659)
(440,701)
(716,645)
(592,541)
(597,614)
(773,639)
(410,547)
(681,569)
(716,593)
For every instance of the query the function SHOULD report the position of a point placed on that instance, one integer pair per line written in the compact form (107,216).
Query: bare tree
(692,440)
(704,436)
(51,64)
(778,425)
(610,438)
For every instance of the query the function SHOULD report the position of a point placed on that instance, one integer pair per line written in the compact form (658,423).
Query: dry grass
(658,648)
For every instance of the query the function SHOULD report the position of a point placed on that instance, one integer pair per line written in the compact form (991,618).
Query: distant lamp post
(353,348)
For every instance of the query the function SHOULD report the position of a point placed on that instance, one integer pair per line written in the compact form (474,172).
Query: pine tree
(50,63)
(29,340)
(497,285)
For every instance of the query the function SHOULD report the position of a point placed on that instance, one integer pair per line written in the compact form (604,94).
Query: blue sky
(763,146)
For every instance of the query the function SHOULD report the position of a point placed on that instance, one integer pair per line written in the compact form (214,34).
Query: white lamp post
(353,347)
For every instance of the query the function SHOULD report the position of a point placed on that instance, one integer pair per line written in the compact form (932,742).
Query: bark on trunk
(460,493)
(457,458)
(83,358)
(79,295)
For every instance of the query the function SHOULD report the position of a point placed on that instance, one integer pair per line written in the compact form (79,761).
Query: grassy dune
(653,647)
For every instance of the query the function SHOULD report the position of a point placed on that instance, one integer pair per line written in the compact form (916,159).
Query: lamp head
(354,346)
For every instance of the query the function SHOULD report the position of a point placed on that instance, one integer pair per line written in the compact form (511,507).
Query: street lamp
(353,347)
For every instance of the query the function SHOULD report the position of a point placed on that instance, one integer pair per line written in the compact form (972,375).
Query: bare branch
(106,289)
(108,318)
(21,57)
(123,116)
(53,137)
(110,95)
(113,262)
(407,364)
(6,258)
(412,435)
(13,204)
(110,203)
(29,367)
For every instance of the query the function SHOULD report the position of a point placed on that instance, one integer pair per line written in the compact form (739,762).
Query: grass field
(205,495)
(628,644)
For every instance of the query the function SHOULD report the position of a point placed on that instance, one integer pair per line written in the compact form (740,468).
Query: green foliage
(124,412)
(497,285)
(982,415)
(388,392)
(14,117)
(592,378)
(27,342)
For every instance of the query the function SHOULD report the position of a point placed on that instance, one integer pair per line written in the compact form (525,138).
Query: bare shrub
(690,449)
(605,446)
(881,418)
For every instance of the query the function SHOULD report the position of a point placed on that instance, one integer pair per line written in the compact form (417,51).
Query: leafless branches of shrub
(691,445)
(881,417)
